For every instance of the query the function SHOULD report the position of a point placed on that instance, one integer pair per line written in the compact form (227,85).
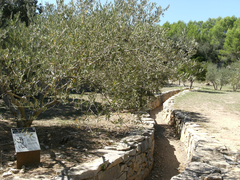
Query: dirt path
(169,154)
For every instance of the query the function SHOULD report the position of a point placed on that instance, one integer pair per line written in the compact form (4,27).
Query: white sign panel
(25,139)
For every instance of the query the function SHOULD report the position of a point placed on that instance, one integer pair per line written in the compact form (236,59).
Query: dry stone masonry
(208,159)
(129,159)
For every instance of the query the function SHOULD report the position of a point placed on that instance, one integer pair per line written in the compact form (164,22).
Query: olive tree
(116,48)
(223,76)
(234,75)
(212,75)
(192,69)
(219,76)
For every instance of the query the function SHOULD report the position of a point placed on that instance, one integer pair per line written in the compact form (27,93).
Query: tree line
(218,52)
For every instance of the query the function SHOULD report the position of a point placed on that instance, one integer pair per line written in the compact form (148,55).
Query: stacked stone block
(208,158)
(129,159)
(161,98)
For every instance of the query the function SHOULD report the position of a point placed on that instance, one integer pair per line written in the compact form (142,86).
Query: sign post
(26,146)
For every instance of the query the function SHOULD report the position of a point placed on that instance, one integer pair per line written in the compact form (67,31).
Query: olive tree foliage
(116,48)
(23,8)
(223,77)
(219,76)
(212,75)
(193,70)
(234,75)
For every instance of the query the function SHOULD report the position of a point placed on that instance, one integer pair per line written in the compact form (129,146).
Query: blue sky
(195,10)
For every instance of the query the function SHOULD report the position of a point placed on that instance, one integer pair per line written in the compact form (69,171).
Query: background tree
(218,45)
(212,75)
(231,48)
(234,75)
(219,30)
(223,76)
(176,30)
(193,30)
(218,76)
(24,8)
(193,70)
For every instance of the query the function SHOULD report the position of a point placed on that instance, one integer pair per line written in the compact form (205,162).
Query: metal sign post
(26,146)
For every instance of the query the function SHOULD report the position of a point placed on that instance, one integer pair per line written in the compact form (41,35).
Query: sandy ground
(222,125)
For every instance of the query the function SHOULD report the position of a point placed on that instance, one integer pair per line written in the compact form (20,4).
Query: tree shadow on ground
(172,85)
(210,92)
(61,146)
(71,111)
(194,116)
(62,111)
(165,162)
(237,91)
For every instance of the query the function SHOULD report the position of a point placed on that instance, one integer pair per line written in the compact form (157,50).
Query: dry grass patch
(216,111)
(66,137)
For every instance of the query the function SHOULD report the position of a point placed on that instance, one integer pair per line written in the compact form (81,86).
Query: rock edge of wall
(208,158)
(130,159)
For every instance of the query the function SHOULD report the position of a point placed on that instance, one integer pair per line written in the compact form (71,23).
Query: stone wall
(161,98)
(131,158)
(208,158)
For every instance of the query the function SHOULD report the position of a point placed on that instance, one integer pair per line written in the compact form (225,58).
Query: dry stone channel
(131,158)
(208,158)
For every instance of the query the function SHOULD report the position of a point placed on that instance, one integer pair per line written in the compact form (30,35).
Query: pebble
(15,171)
(40,177)
(61,156)
(10,164)
(6,174)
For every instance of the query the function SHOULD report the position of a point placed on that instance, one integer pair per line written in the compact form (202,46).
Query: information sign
(25,139)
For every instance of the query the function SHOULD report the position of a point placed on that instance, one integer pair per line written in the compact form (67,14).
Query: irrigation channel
(170,157)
